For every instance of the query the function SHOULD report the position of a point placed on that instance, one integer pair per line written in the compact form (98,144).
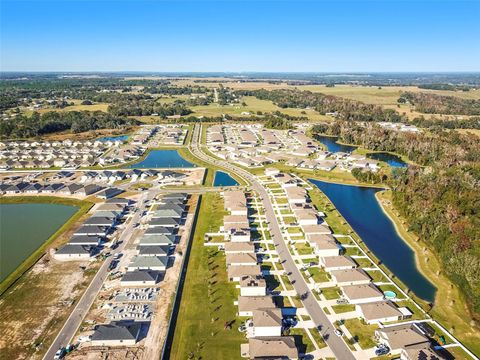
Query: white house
(265,322)
(253,286)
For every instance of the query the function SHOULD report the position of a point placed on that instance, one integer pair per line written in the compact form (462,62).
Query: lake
(163,159)
(391,159)
(114,138)
(223,179)
(24,228)
(331,144)
(360,208)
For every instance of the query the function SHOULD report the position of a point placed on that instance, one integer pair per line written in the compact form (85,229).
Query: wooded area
(439,197)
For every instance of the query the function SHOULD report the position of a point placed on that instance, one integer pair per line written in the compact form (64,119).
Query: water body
(331,143)
(361,209)
(114,138)
(223,179)
(391,159)
(163,159)
(24,228)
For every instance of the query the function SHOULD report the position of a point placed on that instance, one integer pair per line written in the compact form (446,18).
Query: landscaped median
(83,207)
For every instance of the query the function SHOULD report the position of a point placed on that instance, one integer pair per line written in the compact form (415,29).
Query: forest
(50,122)
(439,104)
(439,196)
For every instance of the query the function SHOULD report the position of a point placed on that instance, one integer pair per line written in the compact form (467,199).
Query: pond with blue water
(331,144)
(114,138)
(359,206)
(224,179)
(162,159)
(391,159)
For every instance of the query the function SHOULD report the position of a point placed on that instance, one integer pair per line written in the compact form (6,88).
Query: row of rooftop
(254,146)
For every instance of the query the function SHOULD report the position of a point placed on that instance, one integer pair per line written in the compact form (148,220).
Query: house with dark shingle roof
(116,335)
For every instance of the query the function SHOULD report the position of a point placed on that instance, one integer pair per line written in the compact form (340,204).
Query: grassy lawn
(417,314)
(318,338)
(364,262)
(331,293)
(303,249)
(339,309)
(318,274)
(286,282)
(377,276)
(302,341)
(207,301)
(362,332)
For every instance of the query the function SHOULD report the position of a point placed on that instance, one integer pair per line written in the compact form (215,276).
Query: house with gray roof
(85,240)
(140,278)
(153,250)
(74,252)
(158,230)
(158,263)
(167,222)
(157,240)
(116,335)
(92,230)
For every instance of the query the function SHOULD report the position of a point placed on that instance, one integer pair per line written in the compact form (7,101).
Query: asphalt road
(76,317)
(335,343)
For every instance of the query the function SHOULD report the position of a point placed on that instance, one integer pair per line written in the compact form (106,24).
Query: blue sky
(239,36)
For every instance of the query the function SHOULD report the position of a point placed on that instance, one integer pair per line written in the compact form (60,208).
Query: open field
(207,300)
(253,105)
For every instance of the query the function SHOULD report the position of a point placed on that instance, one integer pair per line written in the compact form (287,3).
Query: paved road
(336,344)
(70,327)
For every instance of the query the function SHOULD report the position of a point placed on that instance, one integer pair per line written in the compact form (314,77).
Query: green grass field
(207,301)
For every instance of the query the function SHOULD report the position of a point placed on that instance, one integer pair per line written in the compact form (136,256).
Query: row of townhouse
(122,154)
(265,321)
(293,147)
(67,154)
(110,176)
(145,270)
(86,242)
(60,189)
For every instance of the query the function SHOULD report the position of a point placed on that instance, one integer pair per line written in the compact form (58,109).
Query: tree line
(50,122)
(344,109)
(440,198)
(439,104)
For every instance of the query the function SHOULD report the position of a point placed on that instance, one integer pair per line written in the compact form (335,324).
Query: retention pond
(24,228)
(359,206)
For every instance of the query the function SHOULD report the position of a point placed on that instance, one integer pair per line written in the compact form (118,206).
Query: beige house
(350,277)
(359,294)
(248,304)
(281,347)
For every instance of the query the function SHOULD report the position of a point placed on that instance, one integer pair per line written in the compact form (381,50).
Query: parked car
(383,350)
(342,301)
(338,332)
(59,354)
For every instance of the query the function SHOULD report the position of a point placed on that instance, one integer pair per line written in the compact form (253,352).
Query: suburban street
(336,344)
(76,317)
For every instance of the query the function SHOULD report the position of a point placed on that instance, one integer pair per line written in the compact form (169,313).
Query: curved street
(336,344)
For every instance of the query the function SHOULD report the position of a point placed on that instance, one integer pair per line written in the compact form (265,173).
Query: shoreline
(82,207)
(449,308)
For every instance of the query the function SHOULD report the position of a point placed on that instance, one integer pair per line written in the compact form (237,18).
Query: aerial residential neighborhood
(227,180)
